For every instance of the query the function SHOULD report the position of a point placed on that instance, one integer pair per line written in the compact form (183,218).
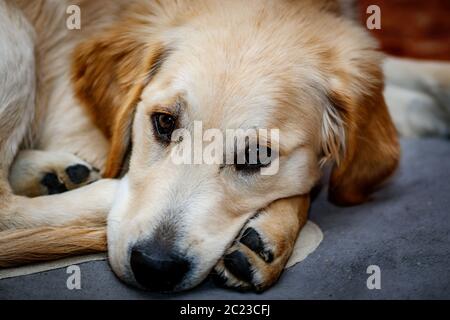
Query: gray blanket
(405,231)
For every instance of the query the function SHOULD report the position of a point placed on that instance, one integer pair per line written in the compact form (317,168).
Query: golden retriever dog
(106,100)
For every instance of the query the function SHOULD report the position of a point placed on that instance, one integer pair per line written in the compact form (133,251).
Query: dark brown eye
(255,159)
(164,125)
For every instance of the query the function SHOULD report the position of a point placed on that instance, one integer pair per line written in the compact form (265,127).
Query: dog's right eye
(164,125)
(254,160)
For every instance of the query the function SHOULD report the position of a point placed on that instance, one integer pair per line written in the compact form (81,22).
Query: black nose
(157,269)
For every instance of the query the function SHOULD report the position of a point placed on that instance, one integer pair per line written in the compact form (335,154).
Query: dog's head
(227,65)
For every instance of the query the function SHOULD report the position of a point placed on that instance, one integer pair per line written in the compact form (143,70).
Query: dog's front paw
(257,257)
(35,173)
(72,177)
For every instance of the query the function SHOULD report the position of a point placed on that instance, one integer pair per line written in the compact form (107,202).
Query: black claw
(218,278)
(54,186)
(78,173)
(238,265)
(252,240)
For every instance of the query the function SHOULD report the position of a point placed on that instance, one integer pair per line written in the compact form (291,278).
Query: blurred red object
(412,28)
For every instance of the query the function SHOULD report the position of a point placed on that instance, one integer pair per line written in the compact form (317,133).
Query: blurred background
(412,28)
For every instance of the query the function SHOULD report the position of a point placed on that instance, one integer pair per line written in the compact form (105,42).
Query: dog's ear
(109,73)
(358,132)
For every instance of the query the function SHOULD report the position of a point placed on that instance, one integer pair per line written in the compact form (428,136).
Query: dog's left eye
(254,159)
(164,125)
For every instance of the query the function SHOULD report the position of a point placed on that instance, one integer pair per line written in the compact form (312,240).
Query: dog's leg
(56,226)
(88,205)
(418,96)
(19,247)
(416,113)
(36,173)
(17,91)
(259,254)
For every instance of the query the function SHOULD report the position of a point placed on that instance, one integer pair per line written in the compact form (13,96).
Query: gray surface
(404,230)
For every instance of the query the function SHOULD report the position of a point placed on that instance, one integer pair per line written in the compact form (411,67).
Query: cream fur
(291,65)
(17,83)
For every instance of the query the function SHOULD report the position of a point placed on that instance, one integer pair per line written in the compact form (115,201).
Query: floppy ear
(109,73)
(362,129)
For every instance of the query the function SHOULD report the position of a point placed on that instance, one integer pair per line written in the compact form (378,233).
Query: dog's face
(192,212)
(172,221)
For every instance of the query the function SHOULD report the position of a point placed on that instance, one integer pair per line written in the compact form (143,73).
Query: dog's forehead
(218,97)
(231,95)
(223,99)
(251,81)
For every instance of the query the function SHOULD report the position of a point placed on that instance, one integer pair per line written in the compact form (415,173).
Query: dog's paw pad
(53,184)
(37,173)
(78,173)
(70,178)
(247,264)
(252,240)
(237,263)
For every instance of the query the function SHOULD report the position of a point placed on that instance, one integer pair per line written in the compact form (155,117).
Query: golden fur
(49,243)
(293,65)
